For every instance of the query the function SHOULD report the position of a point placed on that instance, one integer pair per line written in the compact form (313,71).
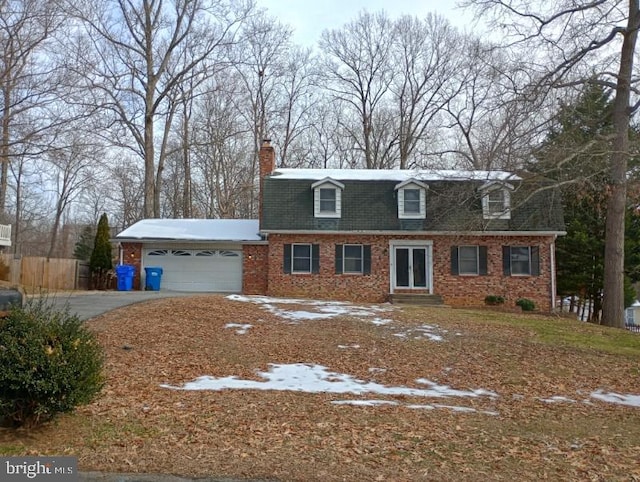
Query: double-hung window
(469,260)
(412,199)
(353,259)
(327,198)
(521,260)
(496,200)
(301,258)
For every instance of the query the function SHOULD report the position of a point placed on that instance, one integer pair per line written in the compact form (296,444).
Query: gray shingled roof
(371,205)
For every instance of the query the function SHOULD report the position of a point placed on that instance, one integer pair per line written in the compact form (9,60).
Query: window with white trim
(496,201)
(301,258)
(353,259)
(412,200)
(521,260)
(469,260)
(327,198)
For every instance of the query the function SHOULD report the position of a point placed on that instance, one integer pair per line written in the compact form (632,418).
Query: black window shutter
(366,261)
(482,260)
(535,261)
(286,259)
(338,259)
(506,260)
(454,260)
(315,258)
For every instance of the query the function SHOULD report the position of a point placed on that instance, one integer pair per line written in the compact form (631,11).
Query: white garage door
(197,269)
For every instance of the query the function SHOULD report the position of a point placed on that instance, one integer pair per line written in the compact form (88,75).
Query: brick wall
(254,269)
(132,255)
(456,290)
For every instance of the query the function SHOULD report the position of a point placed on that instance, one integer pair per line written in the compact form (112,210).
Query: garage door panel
(197,270)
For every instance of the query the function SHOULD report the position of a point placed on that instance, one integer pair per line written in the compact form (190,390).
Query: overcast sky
(310,18)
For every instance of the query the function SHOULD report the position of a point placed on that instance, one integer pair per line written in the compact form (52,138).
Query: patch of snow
(447,391)
(557,399)
(364,403)
(349,346)
(381,321)
(629,400)
(377,370)
(424,331)
(324,309)
(241,328)
(300,377)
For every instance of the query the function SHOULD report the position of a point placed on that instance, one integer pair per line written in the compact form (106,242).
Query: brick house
(367,235)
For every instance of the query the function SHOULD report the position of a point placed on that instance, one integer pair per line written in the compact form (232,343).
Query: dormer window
(412,199)
(327,198)
(496,200)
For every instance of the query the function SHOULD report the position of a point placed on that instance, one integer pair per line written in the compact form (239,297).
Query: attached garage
(197,269)
(196,255)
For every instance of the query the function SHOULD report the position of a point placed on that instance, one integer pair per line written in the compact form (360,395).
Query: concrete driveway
(88,304)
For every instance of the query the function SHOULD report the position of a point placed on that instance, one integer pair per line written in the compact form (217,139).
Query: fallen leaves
(137,426)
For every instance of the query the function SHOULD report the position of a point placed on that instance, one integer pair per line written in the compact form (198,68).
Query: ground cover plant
(290,390)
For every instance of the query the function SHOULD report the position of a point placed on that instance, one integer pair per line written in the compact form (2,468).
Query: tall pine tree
(576,155)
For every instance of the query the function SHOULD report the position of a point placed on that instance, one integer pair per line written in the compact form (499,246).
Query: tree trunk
(613,293)
(4,153)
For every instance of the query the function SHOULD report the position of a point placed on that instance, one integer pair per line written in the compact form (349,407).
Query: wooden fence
(36,273)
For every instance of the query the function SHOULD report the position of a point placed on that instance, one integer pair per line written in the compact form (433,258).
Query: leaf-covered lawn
(546,421)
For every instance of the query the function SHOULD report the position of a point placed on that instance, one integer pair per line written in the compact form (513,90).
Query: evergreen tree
(100,263)
(575,155)
(84,245)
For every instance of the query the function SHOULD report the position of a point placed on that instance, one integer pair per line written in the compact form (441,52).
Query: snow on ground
(424,331)
(324,310)
(629,400)
(241,328)
(301,377)
(317,379)
(557,399)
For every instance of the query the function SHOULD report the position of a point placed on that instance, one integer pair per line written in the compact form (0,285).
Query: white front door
(411,267)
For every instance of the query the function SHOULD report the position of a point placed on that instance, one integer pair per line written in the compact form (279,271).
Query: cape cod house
(367,235)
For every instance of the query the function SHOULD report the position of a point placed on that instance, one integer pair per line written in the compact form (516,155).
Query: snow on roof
(194,230)
(393,175)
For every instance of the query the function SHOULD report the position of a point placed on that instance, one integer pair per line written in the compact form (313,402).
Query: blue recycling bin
(125,274)
(153,278)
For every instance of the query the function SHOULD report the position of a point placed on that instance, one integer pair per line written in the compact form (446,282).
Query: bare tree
(69,175)
(578,39)
(259,63)
(223,153)
(28,80)
(141,50)
(358,74)
(427,53)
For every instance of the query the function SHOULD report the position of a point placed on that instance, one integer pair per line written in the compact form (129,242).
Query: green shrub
(493,300)
(525,304)
(49,364)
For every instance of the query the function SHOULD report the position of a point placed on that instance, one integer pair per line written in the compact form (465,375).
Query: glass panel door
(411,267)
(402,267)
(419,267)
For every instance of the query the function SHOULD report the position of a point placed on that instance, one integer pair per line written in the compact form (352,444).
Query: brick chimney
(267,158)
